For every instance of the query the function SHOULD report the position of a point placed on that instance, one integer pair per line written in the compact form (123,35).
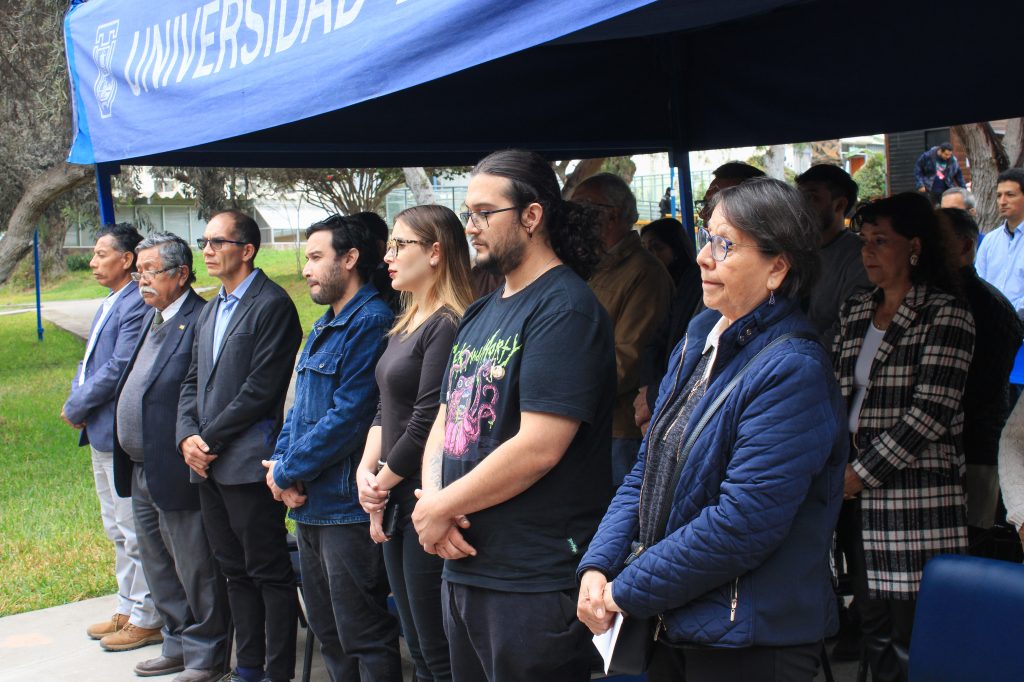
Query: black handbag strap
(684,454)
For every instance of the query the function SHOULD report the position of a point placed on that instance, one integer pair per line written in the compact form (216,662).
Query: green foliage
(52,546)
(78,262)
(870,178)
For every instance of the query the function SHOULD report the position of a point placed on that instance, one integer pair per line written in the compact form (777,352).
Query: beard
(332,287)
(504,261)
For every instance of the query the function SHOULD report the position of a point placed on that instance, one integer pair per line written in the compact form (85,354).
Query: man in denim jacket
(313,467)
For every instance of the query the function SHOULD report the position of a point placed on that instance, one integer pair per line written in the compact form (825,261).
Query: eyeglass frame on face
(704,237)
(148,275)
(394,245)
(467,216)
(216,243)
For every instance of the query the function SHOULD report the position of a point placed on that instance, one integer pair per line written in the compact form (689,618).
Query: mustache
(147,290)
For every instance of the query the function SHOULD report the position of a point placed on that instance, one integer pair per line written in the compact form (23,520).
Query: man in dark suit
(229,415)
(180,569)
(90,408)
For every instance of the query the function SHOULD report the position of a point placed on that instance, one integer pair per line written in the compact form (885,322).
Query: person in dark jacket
(901,355)
(998,333)
(741,582)
(937,170)
(668,242)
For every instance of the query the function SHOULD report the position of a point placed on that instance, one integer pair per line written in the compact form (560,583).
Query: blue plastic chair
(969,623)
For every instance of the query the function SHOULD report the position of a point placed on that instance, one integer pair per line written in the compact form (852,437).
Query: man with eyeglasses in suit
(229,415)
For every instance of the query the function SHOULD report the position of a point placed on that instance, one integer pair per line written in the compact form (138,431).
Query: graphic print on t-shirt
(473,393)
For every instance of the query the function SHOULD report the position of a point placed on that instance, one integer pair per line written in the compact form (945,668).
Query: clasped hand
(293,496)
(197,454)
(439,532)
(595,607)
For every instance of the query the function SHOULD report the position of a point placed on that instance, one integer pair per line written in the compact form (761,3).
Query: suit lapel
(901,322)
(241,308)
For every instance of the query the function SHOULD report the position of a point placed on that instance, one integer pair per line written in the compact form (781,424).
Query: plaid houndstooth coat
(908,448)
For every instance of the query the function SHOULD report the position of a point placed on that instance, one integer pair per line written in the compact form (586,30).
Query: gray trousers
(183,578)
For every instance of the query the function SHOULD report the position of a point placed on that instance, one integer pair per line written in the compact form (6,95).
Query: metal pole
(39,303)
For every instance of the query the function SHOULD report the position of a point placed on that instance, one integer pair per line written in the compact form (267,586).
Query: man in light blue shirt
(228,303)
(1000,259)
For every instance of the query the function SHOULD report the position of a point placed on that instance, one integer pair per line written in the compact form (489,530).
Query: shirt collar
(172,310)
(240,290)
(1016,231)
(715,334)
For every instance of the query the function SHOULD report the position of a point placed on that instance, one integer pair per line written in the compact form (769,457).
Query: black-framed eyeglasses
(150,274)
(479,218)
(720,245)
(216,243)
(866,213)
(394,245)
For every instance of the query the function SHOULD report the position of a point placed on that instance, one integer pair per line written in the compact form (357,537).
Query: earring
(913,259)
(771,297)
(529,234)
(433,263)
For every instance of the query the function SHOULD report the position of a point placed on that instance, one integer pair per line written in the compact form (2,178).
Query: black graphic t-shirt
(549,348)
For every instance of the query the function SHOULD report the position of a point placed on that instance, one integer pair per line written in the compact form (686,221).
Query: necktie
(158,320)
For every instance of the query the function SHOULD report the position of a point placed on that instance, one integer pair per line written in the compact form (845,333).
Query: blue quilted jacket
(745,558)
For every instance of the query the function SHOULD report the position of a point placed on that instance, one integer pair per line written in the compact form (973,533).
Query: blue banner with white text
(149,77)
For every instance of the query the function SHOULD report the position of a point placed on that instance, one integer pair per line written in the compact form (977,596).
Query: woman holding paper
(722,531)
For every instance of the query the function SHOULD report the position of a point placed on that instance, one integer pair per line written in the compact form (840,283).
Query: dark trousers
(624,452)
(346,595)
(750,664)
(514,636)
(886,624)
(245,525)
(188,590)
(415,578)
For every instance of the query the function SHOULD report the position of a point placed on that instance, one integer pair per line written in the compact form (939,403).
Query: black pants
(514,636)
(415,578)
(245,525)
(346,594)
(886,624)
(751,664)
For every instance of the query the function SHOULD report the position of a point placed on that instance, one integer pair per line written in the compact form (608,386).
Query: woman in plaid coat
(901,357)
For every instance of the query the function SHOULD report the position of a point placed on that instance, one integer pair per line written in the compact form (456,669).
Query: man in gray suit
(188,590)
(229,415)
(90,408)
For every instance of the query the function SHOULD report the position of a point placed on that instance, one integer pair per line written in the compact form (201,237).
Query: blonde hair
(453,285)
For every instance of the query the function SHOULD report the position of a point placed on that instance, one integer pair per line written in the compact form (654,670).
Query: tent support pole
(680,160)
(104,193)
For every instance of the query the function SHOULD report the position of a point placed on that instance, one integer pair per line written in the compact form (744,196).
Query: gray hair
(777,217)
(174,251)
(617,193)
(966,194)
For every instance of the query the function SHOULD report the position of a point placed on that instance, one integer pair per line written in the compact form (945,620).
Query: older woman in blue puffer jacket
(739,575)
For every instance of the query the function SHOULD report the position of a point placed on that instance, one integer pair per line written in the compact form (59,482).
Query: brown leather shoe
(107,627)
(131,637)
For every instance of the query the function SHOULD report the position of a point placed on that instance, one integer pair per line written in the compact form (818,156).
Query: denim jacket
(322,440)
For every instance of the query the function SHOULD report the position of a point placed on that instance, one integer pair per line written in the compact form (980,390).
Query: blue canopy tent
(292,83)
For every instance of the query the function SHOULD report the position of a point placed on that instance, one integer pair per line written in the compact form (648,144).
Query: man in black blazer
(229,415)
(187,588)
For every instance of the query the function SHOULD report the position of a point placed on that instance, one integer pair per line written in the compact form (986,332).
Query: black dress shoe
(161,665)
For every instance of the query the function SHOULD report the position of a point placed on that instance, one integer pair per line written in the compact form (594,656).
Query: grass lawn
(52,546)
(280,265)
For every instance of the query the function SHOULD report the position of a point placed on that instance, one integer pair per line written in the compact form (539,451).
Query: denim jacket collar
(366,293)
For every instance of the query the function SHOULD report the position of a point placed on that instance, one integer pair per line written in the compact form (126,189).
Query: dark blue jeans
(515,636)
(415,578)
(346,594)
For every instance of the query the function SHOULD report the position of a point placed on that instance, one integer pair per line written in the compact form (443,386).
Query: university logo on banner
(105,86)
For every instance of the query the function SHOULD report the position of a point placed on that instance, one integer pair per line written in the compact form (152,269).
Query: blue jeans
(624,452)
(346,595)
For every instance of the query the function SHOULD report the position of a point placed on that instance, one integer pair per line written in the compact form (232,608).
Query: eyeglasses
(216,243)
(479,218)
(150,274)
(395,244)
(720,245)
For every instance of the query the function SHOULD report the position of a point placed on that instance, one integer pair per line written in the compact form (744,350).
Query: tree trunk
(828,152)
(1013,142)
(988,158)
(775,162)
(583,170)
(51,244)
(38,195)
(417,181)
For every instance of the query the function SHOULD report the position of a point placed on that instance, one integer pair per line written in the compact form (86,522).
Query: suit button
(321,365)
(209,388)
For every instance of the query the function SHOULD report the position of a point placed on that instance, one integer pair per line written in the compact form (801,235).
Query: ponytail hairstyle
(572,228)
(453,286)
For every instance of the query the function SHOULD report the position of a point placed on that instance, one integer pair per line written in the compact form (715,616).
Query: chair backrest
(969,623)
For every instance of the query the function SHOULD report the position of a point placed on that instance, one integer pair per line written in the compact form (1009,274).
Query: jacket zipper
(671,397)
(734,602)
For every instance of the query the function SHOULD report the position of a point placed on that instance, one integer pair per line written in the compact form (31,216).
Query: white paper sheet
(605,642)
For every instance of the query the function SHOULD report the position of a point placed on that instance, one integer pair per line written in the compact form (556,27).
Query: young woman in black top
(428,262)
